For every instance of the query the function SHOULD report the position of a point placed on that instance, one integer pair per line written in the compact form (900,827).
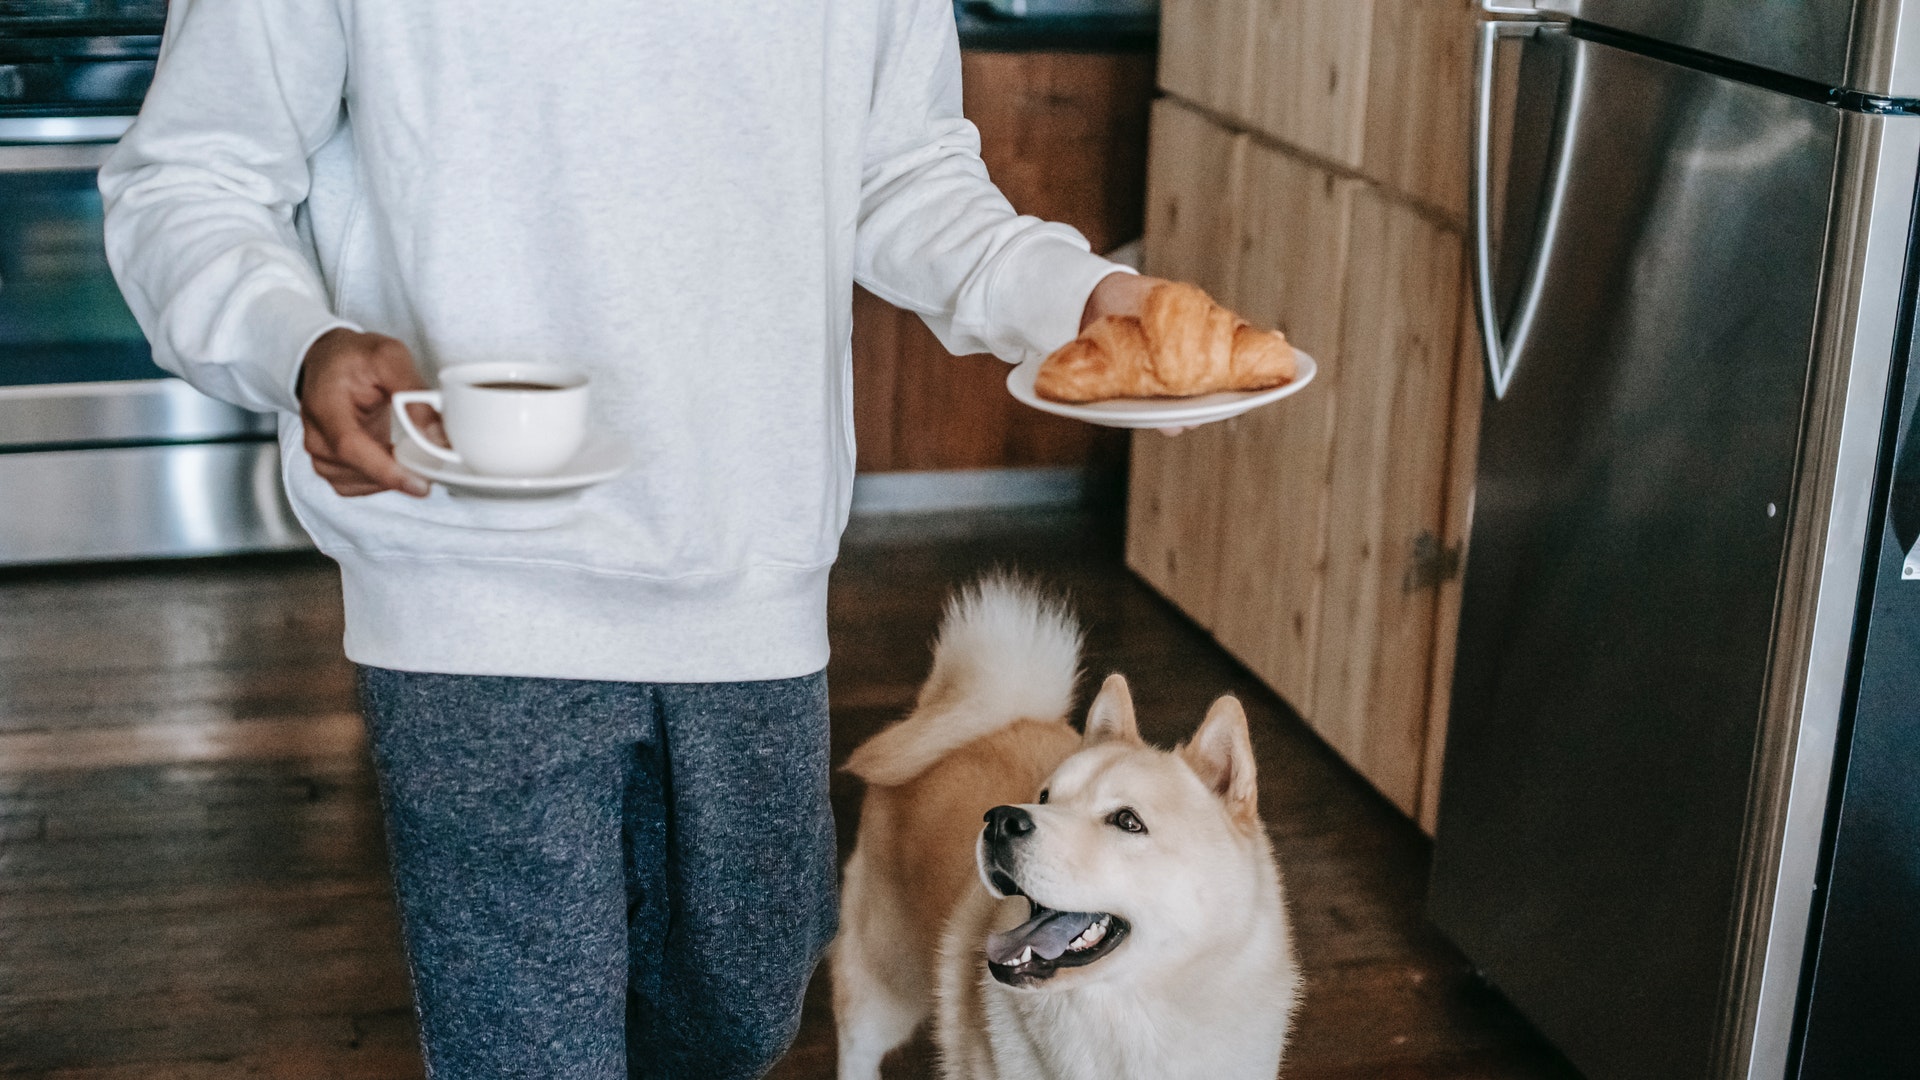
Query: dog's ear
(1221,755)
(1111,715)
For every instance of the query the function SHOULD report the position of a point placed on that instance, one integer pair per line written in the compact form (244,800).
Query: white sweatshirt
(676,195)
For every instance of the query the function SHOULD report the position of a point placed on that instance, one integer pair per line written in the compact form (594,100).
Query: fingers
(337,440)
(429,423)
(346,384)
(374,461)
(1118,294)
(345,481)
(356,464)
(1170,432)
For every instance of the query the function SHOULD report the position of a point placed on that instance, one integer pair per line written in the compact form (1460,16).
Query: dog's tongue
(1047,933)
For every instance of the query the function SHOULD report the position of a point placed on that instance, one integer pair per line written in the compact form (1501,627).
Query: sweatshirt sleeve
(935,235)
(201,194)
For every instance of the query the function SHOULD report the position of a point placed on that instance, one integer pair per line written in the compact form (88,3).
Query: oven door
(102,454)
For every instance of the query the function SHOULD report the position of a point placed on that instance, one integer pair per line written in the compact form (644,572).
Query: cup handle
(404,398)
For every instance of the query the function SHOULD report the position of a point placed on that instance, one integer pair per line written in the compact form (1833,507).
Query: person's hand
(346,382)
(1118,294)
(1121,294)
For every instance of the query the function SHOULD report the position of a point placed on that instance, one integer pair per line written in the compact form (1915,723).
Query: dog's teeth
(1026,956)
(1089,937)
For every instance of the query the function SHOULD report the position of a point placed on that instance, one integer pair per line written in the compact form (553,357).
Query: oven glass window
(61,316)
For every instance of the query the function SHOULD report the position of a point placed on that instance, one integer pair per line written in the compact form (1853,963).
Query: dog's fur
(1196,979)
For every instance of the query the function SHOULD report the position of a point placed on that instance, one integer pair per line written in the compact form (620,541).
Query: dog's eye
(1125,818)
(1043,794)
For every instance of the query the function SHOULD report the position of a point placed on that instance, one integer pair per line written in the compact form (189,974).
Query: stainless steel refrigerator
(1685,681)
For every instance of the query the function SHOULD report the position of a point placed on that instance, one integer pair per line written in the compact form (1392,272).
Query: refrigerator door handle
(1504,346)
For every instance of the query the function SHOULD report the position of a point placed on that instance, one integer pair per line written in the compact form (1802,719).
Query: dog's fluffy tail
(1006,652)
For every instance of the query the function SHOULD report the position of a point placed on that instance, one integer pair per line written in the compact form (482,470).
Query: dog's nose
(1008,823)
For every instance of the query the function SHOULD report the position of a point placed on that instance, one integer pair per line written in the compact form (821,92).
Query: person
(599,724)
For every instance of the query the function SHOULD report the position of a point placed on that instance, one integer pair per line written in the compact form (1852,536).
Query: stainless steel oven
(102,454)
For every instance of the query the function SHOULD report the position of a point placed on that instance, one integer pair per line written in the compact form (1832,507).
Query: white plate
(603,458)
(1158,412)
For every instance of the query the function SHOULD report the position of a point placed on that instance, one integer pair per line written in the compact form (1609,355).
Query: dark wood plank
(1065,135)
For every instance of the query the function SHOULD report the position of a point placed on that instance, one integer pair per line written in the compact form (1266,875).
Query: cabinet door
(1419,86)
(1229,520)
(1392,428)
(1064,135)
(1193,199)
(1206,52)
(1309,74)
(1194,170)
(1311,538)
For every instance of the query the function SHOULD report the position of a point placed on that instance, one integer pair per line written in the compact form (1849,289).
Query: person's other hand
(1121,294)
(346,382)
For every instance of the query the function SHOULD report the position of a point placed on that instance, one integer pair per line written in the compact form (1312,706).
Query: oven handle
(59,130)
(54,157)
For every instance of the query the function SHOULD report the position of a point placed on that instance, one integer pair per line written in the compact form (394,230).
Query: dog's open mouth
(1050,940)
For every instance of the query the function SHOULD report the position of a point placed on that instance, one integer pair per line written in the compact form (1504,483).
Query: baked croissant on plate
(1181,345)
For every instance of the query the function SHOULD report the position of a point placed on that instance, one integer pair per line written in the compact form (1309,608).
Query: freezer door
(1662,240)
(1807,38)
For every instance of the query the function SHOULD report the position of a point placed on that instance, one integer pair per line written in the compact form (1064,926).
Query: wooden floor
(191,875)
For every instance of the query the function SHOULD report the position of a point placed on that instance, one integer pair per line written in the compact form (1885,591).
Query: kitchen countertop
(981,29)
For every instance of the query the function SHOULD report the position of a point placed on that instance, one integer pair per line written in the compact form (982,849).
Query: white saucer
(601,459)
(1158,412)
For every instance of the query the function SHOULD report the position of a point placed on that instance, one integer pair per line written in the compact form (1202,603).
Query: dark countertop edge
(985,33)
(988,34)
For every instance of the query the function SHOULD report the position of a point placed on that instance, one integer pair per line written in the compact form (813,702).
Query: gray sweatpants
(603,880)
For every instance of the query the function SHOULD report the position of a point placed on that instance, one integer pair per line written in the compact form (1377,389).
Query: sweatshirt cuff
(1041,291)
(285,325)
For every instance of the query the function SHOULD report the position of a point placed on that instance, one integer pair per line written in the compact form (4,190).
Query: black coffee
(517,386)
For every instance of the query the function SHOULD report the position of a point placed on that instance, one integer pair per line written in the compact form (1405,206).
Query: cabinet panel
(1193,192)
(1272,468)
(1193,197)
(1418,101)
(1290,247)
(1309,74)
(1206,52)
(1324,191)
(1065,135)
(1229,520)
(1391,437)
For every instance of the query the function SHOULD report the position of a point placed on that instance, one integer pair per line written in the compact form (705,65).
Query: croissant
(1182,344)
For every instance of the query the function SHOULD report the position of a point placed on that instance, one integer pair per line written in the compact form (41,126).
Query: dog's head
(1131,857)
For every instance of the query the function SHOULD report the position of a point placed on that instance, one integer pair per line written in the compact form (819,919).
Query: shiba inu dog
(1119,916)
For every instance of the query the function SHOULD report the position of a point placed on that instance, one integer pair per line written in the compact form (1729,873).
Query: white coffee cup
(504,419)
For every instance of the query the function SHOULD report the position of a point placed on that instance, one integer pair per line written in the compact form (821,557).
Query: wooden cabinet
(1417,115)
(1319,540)
(1206,53)
(1064,134)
